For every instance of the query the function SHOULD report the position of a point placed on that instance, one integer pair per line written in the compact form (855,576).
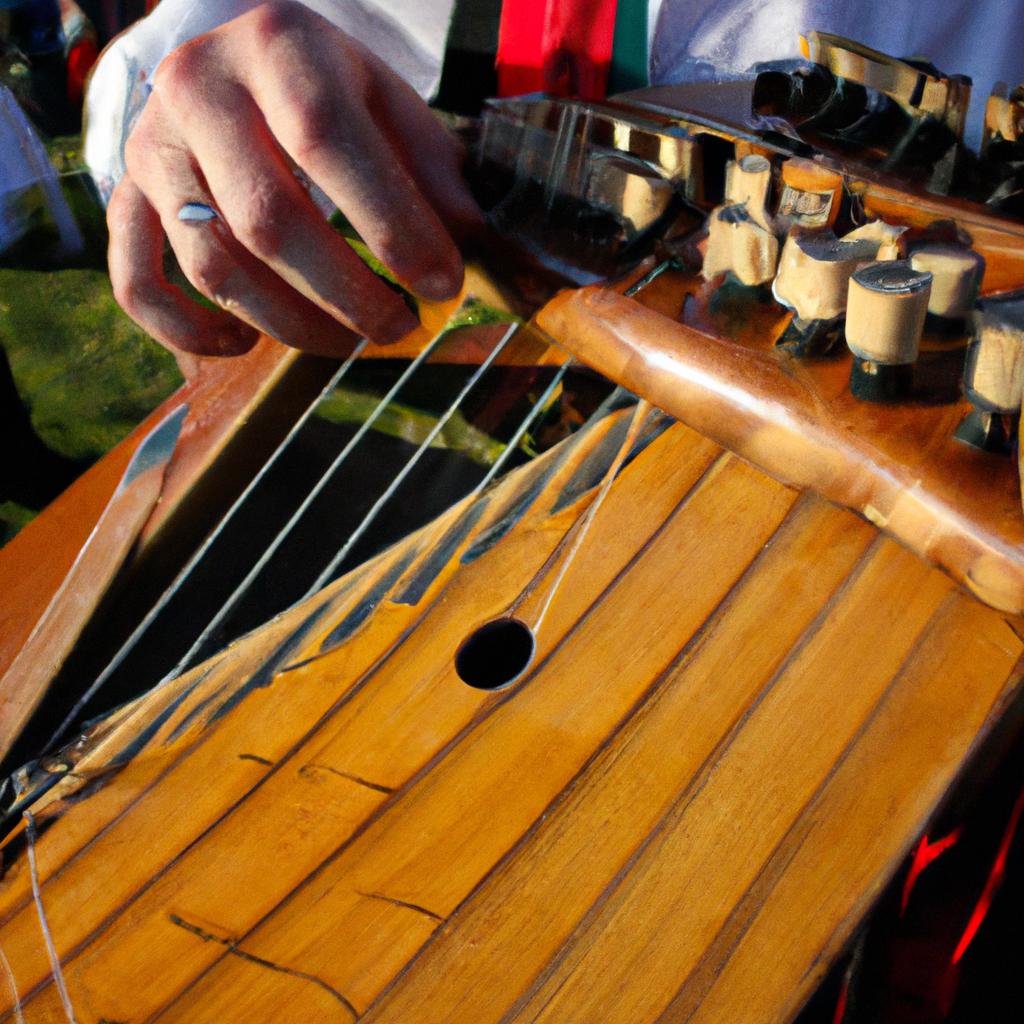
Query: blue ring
(197,213)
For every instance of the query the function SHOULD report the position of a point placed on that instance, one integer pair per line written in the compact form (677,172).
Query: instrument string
(539,405)
(12,982)
(243,587)
(186,571)
(527,421)
(51,946)
(537,408)
(414,459)
(569,546)
(584,523)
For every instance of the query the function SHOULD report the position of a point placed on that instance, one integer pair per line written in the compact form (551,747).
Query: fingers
(314,100)
(143,292)
(431,154)
(218,265)
(265,209)
(222,270)
(226,129)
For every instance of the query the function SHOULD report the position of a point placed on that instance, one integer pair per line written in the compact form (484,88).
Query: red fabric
(926,852)
(562,47)
(81,58)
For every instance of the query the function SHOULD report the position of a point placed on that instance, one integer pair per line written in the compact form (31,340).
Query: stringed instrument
(636,731)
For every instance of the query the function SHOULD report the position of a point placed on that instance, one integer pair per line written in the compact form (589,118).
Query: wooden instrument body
(634,828)
(745,705)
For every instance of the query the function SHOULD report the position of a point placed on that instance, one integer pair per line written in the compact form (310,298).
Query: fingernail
(238,341)
(397,328)
(440,285)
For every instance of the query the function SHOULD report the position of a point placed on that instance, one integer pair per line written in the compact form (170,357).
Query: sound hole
(495,655)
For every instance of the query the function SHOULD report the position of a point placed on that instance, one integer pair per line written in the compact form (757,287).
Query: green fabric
(629,47)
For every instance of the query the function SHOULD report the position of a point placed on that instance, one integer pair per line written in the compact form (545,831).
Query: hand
(232,113)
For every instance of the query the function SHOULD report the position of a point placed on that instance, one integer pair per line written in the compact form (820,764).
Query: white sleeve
(409,38)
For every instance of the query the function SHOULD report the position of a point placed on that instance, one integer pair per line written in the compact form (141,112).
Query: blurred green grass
(85,373)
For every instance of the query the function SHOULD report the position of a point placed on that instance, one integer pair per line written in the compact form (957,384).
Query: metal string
(582,526)
(261,563)
(400,477)
(242,589)
(178,582)
(132,641)
(536,409)
(524,425)
(509,450)
(19,1016)
(44,927)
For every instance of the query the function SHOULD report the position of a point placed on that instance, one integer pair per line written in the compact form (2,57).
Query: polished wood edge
(34,565)
(745,401)
(24,684)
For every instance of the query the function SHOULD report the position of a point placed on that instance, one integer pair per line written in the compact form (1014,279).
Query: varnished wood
(898,466)
(397,817)
(381,762)
(53,636)
(746,704)
(956,278)
(886,311)
(34,564)
(228,403)
(994,375)
(724,110)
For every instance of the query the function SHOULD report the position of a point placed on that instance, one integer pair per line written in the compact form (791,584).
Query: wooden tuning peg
(747,183)
(885,314)
(811,194)
(814,280)
(1004,116)
(994,377)
(738,244)
(956,277)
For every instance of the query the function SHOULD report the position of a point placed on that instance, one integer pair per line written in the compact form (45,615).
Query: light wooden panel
(707,752)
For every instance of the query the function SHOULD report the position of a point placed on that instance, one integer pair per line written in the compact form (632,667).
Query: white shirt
(984,40)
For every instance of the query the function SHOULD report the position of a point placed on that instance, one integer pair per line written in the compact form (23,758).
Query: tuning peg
(994,376)
(814,280)
(738,244)
(885,314)
(956,277)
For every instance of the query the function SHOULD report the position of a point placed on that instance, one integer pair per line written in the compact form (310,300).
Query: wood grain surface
(55,633)
(898,465)
(236,411)
(697,768)
(787,629)
(34,564)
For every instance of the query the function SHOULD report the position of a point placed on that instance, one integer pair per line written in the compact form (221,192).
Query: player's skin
(232,113)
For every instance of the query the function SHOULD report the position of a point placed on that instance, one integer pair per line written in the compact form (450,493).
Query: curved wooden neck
(898,466)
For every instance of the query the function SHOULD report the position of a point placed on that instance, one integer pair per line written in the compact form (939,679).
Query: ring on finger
(197,214)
